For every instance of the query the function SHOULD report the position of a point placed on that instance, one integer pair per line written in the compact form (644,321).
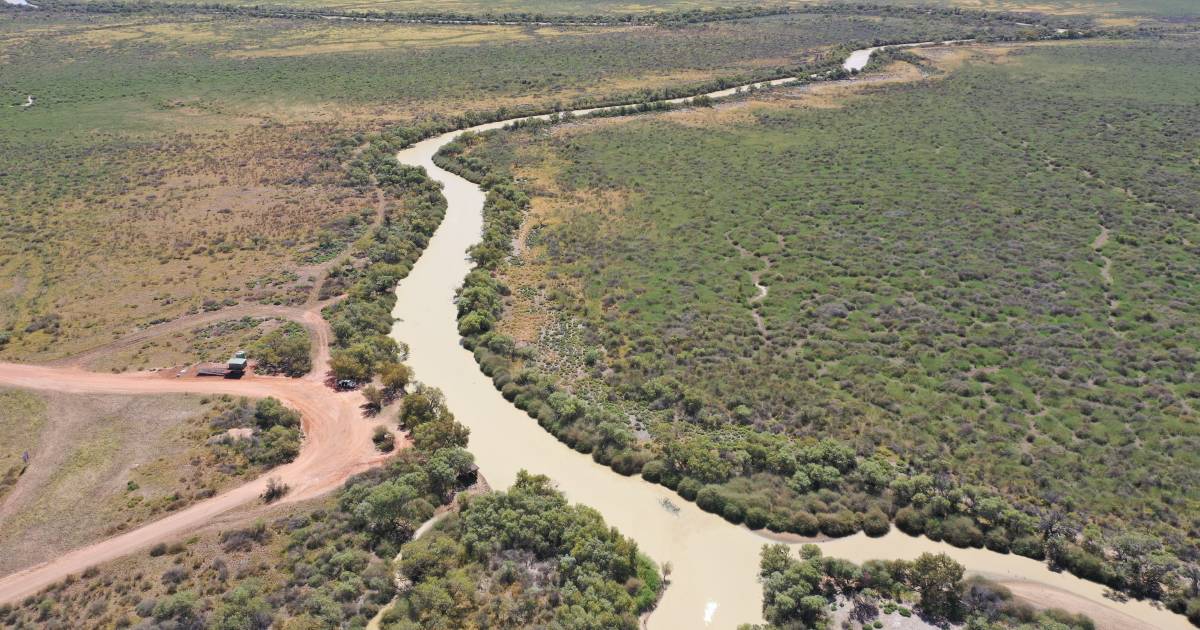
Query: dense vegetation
(285,350)
(989,378)
(812,591)
(274,437)
(329,566)
(361,321)
(696,15)
(537,561)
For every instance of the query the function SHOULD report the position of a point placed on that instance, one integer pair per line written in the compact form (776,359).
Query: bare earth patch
(99,464)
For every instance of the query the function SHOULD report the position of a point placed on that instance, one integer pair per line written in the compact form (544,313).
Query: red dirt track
(337,444)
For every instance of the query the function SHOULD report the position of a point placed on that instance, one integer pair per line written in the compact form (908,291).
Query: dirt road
(337,444)
(308,316)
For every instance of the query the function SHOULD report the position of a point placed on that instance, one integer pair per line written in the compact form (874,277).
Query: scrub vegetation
(812,590)
(975,320)
(521,559)
(323,566)
(176,164)
(651,9)
(328,564)
(799,321)
(284,350)
(361,321)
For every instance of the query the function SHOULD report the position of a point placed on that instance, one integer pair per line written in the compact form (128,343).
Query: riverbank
(715,563)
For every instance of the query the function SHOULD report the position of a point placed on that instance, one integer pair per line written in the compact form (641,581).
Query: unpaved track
(337,444)
(309,317)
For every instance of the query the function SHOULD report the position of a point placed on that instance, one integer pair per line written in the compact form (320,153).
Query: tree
(790,587)
(961,531)
(359,361)
(875,522)
(269,412)
(875,473)
(374,396)
(445,469)
(939,579)
(284,350)
(473,324)
(1142,563)
(395,377)
(444,432)
(347,366)
(421,406)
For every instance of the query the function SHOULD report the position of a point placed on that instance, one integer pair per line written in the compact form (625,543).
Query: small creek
(715,563)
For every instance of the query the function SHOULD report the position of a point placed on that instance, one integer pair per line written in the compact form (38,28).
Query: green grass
(121,69)
(933,289)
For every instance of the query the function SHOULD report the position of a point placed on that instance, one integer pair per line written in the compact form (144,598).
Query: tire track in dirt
(337,444)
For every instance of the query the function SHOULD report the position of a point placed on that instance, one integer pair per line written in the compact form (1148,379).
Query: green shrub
(805,524)
(961,531)
(710,499)
(285,350)
(839,524)
(875,523)
(654,470)
(688,488)
(733,512)
(756,518)
(1030,547)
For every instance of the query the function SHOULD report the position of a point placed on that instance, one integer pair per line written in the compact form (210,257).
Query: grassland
(180,164)
(22,419)
(101,464)
(604,8)
(983,285)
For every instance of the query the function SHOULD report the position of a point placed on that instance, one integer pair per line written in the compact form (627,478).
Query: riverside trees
(801,592)
(544,563)
(987,395)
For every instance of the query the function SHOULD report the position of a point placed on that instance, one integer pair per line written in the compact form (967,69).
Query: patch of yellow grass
(1118,21)
(328,39)
(22,416)
(248,38)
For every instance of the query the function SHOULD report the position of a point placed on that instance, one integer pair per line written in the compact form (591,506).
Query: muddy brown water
(715,563)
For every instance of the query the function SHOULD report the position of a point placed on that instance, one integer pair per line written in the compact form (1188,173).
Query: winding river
(714,563)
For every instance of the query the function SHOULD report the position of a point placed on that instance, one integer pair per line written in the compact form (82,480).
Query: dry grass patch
(196,223)
(22,418)
(100,464)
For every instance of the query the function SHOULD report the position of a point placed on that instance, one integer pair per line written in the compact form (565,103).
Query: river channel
(715,563)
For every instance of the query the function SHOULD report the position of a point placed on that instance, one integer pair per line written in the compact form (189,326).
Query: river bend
(715,563)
